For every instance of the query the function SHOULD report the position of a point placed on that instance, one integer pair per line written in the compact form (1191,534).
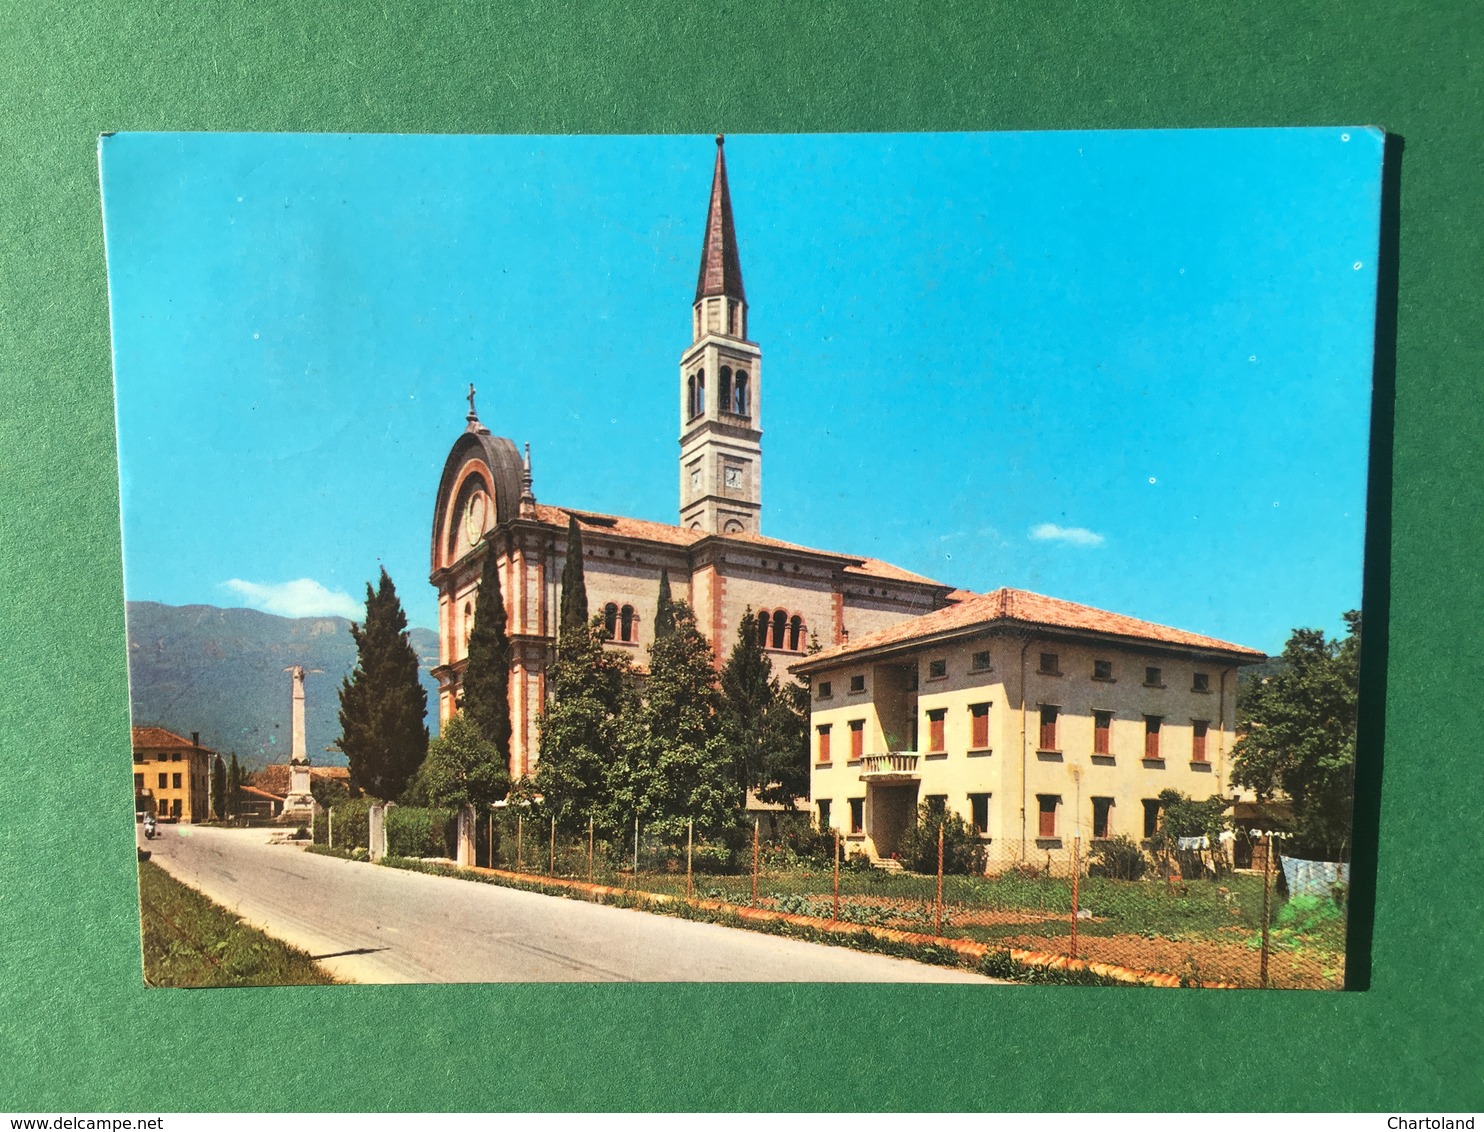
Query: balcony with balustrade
(892,767)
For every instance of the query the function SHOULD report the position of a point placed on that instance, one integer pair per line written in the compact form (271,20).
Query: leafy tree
(584,770)
(329,791)
(1298,737)
(382,705)
(785,774)
(218,787)
(963,852)
(487,675)
(1181,816)
(683,770)
(664,607)
(574,585)
(463,765)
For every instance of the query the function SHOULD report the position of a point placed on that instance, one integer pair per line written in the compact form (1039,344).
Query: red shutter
(1102,722)
(857,739)
(824,744)
(980,738)
(935,731)
(1151,736)
(1048,729)
(1048,817)
(1198,742)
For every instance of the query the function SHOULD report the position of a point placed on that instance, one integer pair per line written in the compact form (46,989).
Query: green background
(78,1031)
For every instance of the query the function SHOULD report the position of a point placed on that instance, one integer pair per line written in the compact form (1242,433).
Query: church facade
(716,555)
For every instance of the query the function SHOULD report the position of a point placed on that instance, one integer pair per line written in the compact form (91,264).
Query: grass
(191,942)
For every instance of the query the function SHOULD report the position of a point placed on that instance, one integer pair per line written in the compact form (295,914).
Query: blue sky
(1130,369)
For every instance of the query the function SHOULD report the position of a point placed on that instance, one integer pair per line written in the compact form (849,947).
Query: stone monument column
(299,805)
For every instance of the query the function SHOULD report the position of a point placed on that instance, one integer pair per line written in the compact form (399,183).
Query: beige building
(1035,719)
(716,556)
(172,775)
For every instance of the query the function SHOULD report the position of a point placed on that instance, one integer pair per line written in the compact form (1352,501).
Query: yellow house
(1037,720)
(172,775)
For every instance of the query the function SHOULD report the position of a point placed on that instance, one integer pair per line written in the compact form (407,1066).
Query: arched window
(690,396)
(468,621)
(700,406)
(739,393)
(796,633)
(780,624)
(626,623)
(762,628)
(610,619)
(724,391)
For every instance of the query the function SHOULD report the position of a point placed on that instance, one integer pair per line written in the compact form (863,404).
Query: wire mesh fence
(1180,911)
(1176,907)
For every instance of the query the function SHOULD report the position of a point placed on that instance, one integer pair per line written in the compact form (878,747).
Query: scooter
(149,829)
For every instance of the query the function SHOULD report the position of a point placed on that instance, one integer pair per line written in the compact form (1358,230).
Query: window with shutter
(1048,804)
(1048,728)
(979,718)
(935,729)
(1102,729)
(1198,741)
(1151,736)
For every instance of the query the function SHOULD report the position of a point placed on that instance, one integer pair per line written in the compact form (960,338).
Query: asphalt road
(369,924)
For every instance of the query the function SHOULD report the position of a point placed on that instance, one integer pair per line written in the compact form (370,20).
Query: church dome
(480,489)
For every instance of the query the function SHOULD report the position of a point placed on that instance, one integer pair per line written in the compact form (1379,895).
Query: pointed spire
(721,269)
(527,496)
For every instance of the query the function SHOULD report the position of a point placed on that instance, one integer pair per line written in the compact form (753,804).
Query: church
(717,556)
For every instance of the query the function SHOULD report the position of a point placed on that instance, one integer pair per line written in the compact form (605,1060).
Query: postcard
(468,641)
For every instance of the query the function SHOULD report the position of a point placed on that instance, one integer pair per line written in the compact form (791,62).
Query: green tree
(574,586)
(328,791)
(382,705)
(234,784)
(763,722)
(664,607)
(218,787)
(683,771)
(963,852)
(463,765)
(584,768)
(748,693)
(487,675)
(1181,817)
(1298,737)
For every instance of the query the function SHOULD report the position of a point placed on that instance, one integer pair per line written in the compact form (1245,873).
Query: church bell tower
(721,438)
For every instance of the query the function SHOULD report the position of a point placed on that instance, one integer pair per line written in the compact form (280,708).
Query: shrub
(712,860)
(963,852)
(419,831)
(1118,858)
(352,823)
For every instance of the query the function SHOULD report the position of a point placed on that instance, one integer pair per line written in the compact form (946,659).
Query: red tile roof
(650,531)
(158,739)
(275,778)
(262,793)
(1021,607)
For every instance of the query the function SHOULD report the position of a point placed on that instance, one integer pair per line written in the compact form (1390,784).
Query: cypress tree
(234,784)
(664,607)
(574,585)
(747,695)
(487,676)
(218,787)
(382,705)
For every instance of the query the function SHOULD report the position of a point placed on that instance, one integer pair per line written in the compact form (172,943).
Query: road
(369,924)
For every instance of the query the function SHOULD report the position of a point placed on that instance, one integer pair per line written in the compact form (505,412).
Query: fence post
(520,841)
(938,899)
(551,860)
(1076,877)
(589,848)
(492,839)
(1267,897)
(754,861)
(690,840)
(330,828)
(837,874)
(636,846)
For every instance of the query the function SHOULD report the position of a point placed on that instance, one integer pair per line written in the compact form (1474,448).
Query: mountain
(221,672)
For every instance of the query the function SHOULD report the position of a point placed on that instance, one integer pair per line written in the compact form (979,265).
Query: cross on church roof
(473,416)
